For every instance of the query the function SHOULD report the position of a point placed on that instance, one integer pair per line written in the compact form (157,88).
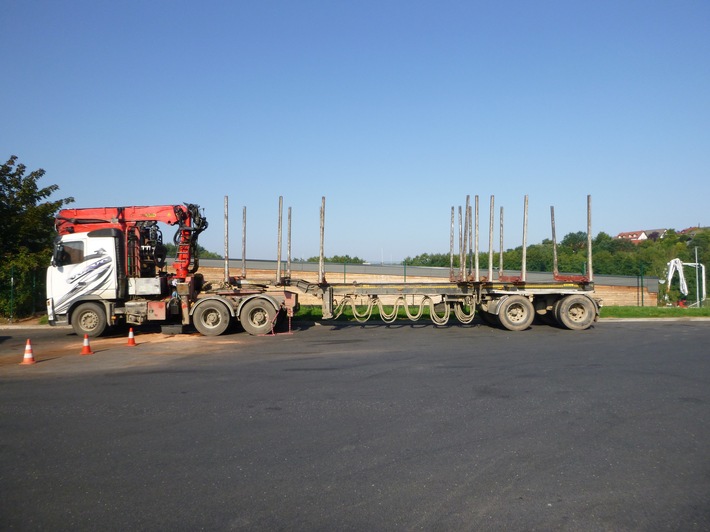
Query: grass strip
(314,312)
(654,312)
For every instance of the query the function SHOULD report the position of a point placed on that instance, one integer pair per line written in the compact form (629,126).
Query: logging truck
(109,268)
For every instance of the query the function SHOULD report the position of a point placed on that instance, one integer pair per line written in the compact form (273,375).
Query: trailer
(512,303)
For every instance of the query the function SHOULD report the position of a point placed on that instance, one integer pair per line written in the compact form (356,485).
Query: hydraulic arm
(144,250)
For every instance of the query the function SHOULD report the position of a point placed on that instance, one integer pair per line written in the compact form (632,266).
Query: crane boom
(139,224)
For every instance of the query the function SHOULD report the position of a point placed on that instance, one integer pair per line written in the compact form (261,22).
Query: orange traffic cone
(131,338)
(86,350)
(29,357)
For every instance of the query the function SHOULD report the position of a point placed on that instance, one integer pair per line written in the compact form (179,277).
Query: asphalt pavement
(349,427)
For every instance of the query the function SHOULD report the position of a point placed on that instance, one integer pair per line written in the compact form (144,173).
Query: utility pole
(697,280)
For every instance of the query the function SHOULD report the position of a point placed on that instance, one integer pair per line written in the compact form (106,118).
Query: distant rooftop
(643,234)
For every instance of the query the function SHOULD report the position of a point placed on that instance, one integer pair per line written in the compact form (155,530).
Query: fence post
(12,291)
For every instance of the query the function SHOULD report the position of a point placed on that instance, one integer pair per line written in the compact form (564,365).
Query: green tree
(611,256)
(575,242)
(540,257)
(339,259)
(202,252)
(26,240)
(442,260)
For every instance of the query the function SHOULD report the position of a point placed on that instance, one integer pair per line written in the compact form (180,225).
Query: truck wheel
(211,318)
(89,318)
(576,312)
(257,316)
(516,313)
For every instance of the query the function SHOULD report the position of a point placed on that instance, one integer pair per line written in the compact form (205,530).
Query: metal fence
(22,293)
(403,271)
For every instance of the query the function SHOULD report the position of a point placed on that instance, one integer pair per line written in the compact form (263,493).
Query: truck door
(82,268)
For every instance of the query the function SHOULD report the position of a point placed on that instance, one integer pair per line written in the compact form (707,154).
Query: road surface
(345,427)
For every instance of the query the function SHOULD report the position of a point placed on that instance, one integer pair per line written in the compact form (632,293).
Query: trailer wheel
(576,312)
(556,312)
(257,317)
(211,318)
(516,313)
(89,318)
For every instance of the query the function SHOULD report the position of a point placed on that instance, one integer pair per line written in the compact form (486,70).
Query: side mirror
(58,255)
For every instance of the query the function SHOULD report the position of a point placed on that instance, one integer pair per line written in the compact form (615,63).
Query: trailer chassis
(510,302)
(512,305)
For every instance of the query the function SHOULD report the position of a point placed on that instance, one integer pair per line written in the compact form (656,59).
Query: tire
(211,318)
(257,317)
(556,311)
(516,313)
(89,318)
(576,312)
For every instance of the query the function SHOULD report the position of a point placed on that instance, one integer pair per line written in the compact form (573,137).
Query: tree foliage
(202,252)
(339,259)
(26,240)
(611,256)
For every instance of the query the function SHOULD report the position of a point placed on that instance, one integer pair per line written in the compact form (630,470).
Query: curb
(33,327)
(9,327)
(679,318)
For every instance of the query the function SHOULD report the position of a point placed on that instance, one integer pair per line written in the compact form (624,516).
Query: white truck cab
(83,268)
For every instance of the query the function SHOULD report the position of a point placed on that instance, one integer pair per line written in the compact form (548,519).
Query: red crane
(144,249)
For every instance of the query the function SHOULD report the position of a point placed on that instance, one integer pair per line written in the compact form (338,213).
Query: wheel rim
(89,321)
(577,313)
(516,313)
(211,318)
(258,317)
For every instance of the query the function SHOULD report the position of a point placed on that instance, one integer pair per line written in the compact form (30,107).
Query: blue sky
(393,110)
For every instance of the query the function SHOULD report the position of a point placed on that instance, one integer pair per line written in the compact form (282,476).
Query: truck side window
(73,253)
